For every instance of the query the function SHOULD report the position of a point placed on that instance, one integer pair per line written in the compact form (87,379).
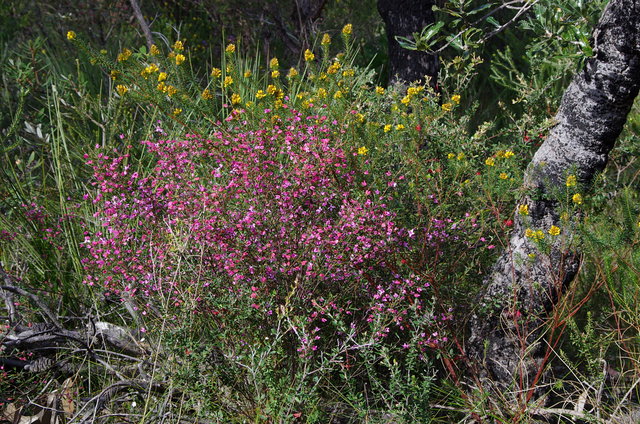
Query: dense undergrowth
(293,244)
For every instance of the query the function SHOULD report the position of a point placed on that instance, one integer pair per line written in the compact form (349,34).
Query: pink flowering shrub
(276,217)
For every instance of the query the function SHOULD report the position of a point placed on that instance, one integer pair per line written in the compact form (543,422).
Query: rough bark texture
(507,328)
(403,18)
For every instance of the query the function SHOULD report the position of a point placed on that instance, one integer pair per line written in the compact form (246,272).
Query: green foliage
(430,155)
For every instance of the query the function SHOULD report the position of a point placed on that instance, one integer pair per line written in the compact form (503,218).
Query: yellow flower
(346,30)
(149,70)
(326,40)
(571,181)
(490,161)
(348,73)
(114,74)
(387,128)
(261,94)
(577,199)
(227,81)
(363,151)
(274,64)
(523,209)
(554,231)
(125,55)
(247,74)
(292,73)
(249,104)
(216,72)
(275,74)
(503,176)
(412,91)
(379,90)
(322,93)
(338,95)
(271,89)
(178,45)
(206,94)
(455,99)
(405,100)
(508,154)
(451,155)
(177,111)
(500,153)
(121,89)
(235,99)
(564,216)
(154,50)
(308,55)
(447,107)
(71,35)
(335,66)
(460,156)
(399,127)
(162,76)
(180,58)
(161,87)
(171,90)
(360,117)
(535,235)
(230,48)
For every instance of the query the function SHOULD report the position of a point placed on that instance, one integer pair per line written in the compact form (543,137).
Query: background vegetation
(282,237)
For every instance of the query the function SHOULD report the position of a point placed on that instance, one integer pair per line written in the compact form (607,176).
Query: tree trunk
(403,18)
(525,283)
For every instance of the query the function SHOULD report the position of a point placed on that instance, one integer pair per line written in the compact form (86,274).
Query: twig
(14,318)
(105,396)
(624,398)
(521,10)
(17,290)
(143,23)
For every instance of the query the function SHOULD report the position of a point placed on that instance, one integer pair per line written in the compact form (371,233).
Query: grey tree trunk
(507,330)
(403,18)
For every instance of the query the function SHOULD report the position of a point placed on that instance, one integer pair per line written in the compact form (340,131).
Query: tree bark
(142,22)
(403,18)
(507,330)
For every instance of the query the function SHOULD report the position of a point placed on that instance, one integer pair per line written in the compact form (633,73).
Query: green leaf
(406,43)
(425,40)
(480,9)
(430,31)
(493,21)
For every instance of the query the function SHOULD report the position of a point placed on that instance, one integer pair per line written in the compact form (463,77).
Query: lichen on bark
(523,286)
